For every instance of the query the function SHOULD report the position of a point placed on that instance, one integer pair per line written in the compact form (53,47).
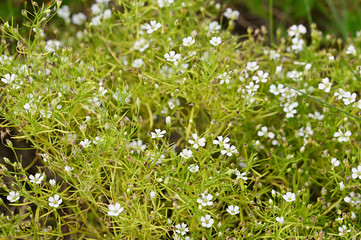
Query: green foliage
(177,129)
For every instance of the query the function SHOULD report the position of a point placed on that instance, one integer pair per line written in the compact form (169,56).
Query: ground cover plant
(151,120)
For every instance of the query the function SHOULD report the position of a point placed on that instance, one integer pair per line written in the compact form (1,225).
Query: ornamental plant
(153,120)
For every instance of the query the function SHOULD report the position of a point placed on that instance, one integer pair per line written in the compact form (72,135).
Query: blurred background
(341,18)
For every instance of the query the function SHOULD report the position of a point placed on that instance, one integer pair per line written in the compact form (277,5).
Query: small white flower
(158,133)
(152,195)
(36,179)
(214,27)
(264,132)
(188,41)
(277,90)
(289,197)
(205,200)
(52,182)
(55,201)
(186,153)
(152,26)
(356,172)
(233,210)
(168,120)
(335,162)
(281,220)
(115,210)
(182,228)
(261,76)
(197,141)
(220,141)
(78,18)
(13,196)
(137,63)
(230,14)
(349,98)
(325,85)
(215,41)
(343,230)
(8,78)
(207,221)
(296,31)
(252,66)
(229,150)
(342,136)
(68,169)
(193,168)
(85,143)
(342,186)
(172,56)
(351,50)
(141,45)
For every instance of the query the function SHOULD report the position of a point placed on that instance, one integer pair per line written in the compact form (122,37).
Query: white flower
(252,66)
(294,75)
(165,3)
(188,41)
(230,14)
(261,76)
(186,153)
(340,93)
(281,220)
(36,179)
(152,26)
(193,168)
(78,19)
(220,141)
(356,172)
(343,230)
(325,85)
(55,201)
(64,12)
(233,210)
(141,45)
(172,56)
(68,169)
(158,133)
(354,199)
(342,186)
(264,132)
(229,150)
(115,210)
(351,50)
(205,200)
(349,98)
(342,136)
(207,221)
(152,195)
(359,104)
(296,31)
(214,27)
(85,143)
(335,162)
(277,90)
(168,120)
(137,63)
(182,228)
(316,116)
(13,196)
(290,111)
(215,41)
(8,78)
(52,182)
(289,197)
(241,175)
(197,141)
